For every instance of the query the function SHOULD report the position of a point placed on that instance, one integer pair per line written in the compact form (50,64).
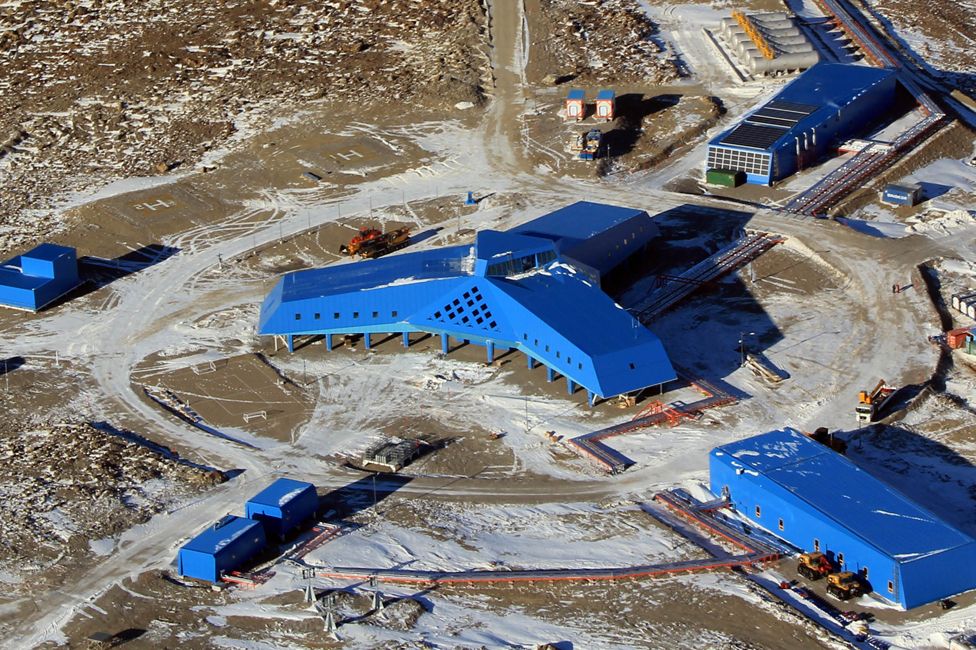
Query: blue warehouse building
(39,277)
(535,288)
(283,506)
(818,500)
(811,116)
(226,546)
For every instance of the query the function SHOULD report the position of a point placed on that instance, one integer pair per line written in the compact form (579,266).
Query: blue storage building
(226,546)
(535,288)
(810,117)
(901,194)
(283,506)
(818,500)
(39,277)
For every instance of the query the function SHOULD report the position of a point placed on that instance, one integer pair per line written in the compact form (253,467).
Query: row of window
(337,315)
(735,160)
(521,264)
(569,359)
(816,547)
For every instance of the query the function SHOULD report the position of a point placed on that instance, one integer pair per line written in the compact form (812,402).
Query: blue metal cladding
(842,100)
(283,506)
(523,289)
(817,499)
(226,546)
(899,195)
(598,235)
(37,278)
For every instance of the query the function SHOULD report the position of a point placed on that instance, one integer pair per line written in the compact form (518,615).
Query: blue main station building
(811,116)
(535,288)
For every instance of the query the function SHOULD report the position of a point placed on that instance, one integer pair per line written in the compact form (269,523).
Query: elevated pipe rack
(727,260)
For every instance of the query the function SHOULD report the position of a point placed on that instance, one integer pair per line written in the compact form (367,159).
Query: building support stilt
(290,340)
(368,340)
(490,350)
(406,339)
(549,374)
(530,362)
(328,342)
(570,386)
(445,343)
(591,396)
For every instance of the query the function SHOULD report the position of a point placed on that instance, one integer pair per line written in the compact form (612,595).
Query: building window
(569,360)
(318,316)
(525,337)
(758,512)
(781,527)
(891,587)
(736,160)
(335,315)
(393,314)
(547,348)
(557,354)
(376,314)
(632,366)
(579,365)
(298,316)
(816,545)
(355,314)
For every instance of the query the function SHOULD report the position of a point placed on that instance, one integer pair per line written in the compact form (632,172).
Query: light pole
(742,347)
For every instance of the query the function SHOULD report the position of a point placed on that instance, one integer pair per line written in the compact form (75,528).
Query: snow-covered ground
(820,308)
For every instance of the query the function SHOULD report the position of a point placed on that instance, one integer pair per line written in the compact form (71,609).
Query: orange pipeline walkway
(591,444)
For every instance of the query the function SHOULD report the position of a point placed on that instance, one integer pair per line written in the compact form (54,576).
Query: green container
(725,177)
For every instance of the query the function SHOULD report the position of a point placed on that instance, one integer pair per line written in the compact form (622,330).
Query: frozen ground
(819,307)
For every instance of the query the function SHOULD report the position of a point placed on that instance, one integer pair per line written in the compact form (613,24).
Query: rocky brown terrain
(106,89)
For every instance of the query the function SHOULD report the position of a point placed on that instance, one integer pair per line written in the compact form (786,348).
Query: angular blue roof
(531,288)
(436,264)
(220,535)
(840,490)
(606,94)
(808,101)
(578,222)
(575,93)
(279,493)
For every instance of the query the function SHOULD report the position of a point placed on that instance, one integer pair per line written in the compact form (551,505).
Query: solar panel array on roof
(781,122)
(793,107)
(755,136)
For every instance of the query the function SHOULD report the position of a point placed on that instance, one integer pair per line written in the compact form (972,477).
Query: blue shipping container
(283,506)
(226,546)
(900,195)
